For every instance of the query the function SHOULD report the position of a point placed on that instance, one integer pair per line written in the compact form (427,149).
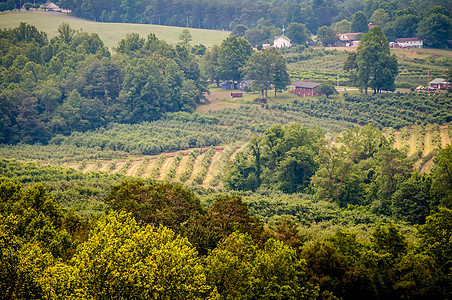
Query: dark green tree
(359,22)
(232,56)
(435,30)
(328,89)
(298,33)
(377,67)
(267,68)
(326,36)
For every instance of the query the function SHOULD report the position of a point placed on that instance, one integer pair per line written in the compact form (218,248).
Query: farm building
(228,85)
(242,84)
(50,6)
(410,43)
(348,39)
(281,42)
(440,83)
(305,88)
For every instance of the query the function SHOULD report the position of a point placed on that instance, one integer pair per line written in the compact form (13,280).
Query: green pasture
(110,33)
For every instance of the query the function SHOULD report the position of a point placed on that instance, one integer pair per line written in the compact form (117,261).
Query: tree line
(73,83)
(360,167)
(260,21)
(156,240)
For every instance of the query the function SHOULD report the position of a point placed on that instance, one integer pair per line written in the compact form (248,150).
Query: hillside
(110,33)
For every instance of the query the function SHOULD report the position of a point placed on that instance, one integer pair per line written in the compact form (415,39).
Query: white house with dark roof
(440,83)
(410,42)
(281,42)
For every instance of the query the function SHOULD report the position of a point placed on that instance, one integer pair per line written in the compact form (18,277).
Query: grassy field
(110,33)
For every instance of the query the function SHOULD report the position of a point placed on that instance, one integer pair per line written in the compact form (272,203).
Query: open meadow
(110,33)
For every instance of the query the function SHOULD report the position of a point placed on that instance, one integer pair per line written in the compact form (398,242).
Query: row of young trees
(157,241)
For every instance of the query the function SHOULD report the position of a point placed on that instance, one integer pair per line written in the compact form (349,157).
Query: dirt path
(149,168)
(412,144)
(427,167)
(133,167)
(119,166)
(89,167)
(196,167)
(181,168)
(427,142)
(212,168)
(445,138)
(165,168)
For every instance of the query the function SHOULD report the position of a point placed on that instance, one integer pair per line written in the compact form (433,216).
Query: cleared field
(110,33)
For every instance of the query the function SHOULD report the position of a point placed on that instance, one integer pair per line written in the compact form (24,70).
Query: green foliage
(157,165)
(442,177)
(123,260)
(283,158)
(434,241)
(326,36)
(359,22)
(328,89)
(189,166)
(205,164)
(298,33)
(174,164)
(242,271)
(386,110)
(435,30)
(154,203)
(267,68)
(71,84)
(377,68)
(232,56)
(81,192)
(185,38)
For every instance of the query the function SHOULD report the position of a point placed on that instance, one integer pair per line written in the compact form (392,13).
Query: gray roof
(437,81)
(305,84)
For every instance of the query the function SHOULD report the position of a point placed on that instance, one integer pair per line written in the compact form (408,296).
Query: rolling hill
(110,33)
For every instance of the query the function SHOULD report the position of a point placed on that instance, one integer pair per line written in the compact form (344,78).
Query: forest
(114,185)
(260,21)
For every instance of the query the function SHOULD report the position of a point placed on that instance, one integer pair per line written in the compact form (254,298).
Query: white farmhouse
(281,41)
(410,42)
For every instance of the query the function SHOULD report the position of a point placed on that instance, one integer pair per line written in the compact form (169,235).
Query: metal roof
(305,84)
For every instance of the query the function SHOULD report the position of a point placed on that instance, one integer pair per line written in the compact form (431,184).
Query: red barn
(305,88)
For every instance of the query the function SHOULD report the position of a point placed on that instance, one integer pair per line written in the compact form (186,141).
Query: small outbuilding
(305,88)
(242,84)
(227,85)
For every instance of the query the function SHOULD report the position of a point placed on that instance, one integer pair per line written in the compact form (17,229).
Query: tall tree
(267,67)
(377,67)
(185,37)
(436,30)
(326,36)
(298,33)
(359,22)
(232,56)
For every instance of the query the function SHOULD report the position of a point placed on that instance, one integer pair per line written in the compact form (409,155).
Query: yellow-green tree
(122,260)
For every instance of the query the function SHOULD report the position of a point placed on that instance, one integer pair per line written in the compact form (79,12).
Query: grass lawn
(110,33)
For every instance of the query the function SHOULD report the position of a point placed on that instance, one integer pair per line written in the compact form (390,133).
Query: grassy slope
(110,33)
